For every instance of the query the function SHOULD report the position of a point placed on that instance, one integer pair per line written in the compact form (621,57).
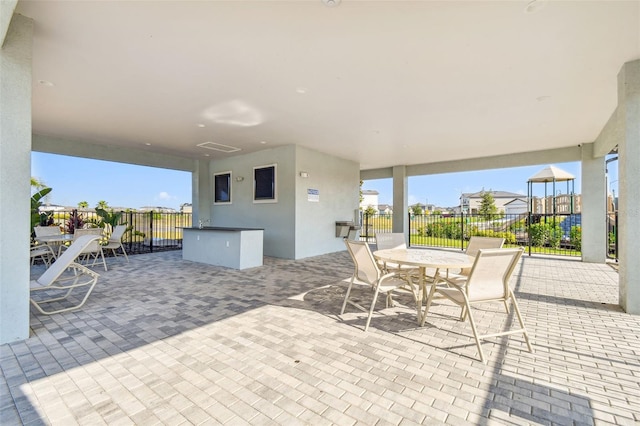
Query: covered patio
(167,341)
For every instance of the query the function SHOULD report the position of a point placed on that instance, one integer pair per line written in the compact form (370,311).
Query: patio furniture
(487,282)
(115,241)
(48,235)
(366,271)
(92,251)
(389,241)
(476,243)
(424,259)
(44,252)
(64,275)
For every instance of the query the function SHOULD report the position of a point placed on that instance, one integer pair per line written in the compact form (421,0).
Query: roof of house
(495,194)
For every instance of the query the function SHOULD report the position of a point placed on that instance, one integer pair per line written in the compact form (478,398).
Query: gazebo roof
(550,174)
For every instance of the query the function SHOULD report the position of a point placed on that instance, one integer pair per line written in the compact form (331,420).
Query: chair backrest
(392,240)
(43,231)
(66,258)
(366,268)
(477,243)
(117,233)
(491,272)
(94,245)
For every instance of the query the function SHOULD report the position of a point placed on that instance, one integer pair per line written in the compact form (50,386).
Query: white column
(202,193)
(594,206)
(15,174)
(629,187)
(400,200)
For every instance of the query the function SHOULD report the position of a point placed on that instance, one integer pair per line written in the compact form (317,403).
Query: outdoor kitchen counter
(238,248)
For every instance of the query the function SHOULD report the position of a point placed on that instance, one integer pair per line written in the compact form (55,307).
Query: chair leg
(432,292)
(125,253)
(346,297)
(524,330)
(373,305)
(473,328)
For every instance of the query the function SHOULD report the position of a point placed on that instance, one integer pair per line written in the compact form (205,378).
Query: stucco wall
(294,227)
(277,219)
(337,182)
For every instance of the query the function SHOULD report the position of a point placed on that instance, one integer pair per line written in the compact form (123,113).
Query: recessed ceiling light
(301,90)
(45,83)
(331,3)
(201,125)
(263,142)
(207,155)
(147,144)
(535,6)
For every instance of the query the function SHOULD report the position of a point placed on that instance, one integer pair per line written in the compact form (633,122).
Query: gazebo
(551,174)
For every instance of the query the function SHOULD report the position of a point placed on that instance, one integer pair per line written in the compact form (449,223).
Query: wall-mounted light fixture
(304,174)
(239,178)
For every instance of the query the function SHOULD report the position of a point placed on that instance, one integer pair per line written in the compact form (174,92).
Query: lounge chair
(64,276)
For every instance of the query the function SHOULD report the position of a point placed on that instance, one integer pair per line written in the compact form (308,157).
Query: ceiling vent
(218,147)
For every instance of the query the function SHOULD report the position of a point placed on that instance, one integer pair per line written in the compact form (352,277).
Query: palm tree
(83,205)
(102,205)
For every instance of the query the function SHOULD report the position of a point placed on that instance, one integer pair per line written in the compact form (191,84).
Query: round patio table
(424,259)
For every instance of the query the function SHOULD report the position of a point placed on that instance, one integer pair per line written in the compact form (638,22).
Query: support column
(15,174)
(594,206)
(629,187)
(201,188)
(400,200)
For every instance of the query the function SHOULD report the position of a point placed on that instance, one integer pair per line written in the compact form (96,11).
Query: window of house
(264,184)
(222,188)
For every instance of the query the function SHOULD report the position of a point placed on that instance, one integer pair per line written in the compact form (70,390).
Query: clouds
(165,196)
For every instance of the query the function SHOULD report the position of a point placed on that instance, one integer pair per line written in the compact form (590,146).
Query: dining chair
(44,252)
(115,241)
(475,243)
(62,278)
(367,271)
(487,282)
(93,251)
(391,241)
(46,231)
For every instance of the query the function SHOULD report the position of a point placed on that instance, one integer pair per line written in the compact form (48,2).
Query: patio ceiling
(380,83)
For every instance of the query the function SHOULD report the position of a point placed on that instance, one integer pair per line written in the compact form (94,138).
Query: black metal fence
(559,234)
(146,231)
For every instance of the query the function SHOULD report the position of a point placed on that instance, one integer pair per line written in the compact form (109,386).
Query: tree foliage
(416,210)
(487,206)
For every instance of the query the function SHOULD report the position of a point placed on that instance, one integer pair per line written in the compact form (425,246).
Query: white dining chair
(366,271)
(487,282)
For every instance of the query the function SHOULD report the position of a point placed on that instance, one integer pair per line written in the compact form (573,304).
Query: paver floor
(167,341)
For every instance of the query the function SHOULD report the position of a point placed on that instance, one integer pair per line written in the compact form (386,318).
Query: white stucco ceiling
(385,83)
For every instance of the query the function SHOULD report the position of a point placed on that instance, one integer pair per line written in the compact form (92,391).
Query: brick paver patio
(166,341)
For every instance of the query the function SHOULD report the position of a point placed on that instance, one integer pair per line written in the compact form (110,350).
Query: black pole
(151,231)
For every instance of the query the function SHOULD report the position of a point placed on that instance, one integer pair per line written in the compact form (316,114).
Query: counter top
(221,228)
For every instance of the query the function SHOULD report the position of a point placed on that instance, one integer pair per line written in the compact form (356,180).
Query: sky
(444,190)
(74,179)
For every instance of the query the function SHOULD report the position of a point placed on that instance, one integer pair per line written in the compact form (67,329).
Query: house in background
(385,209)
(470,202)
(369,199)
(516,206)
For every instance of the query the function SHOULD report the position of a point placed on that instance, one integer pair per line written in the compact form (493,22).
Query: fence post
(151,231)
(408,236)
(132,230)
(462,229)
(529,232)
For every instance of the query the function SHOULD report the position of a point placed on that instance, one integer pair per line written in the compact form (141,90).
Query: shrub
(575,236)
